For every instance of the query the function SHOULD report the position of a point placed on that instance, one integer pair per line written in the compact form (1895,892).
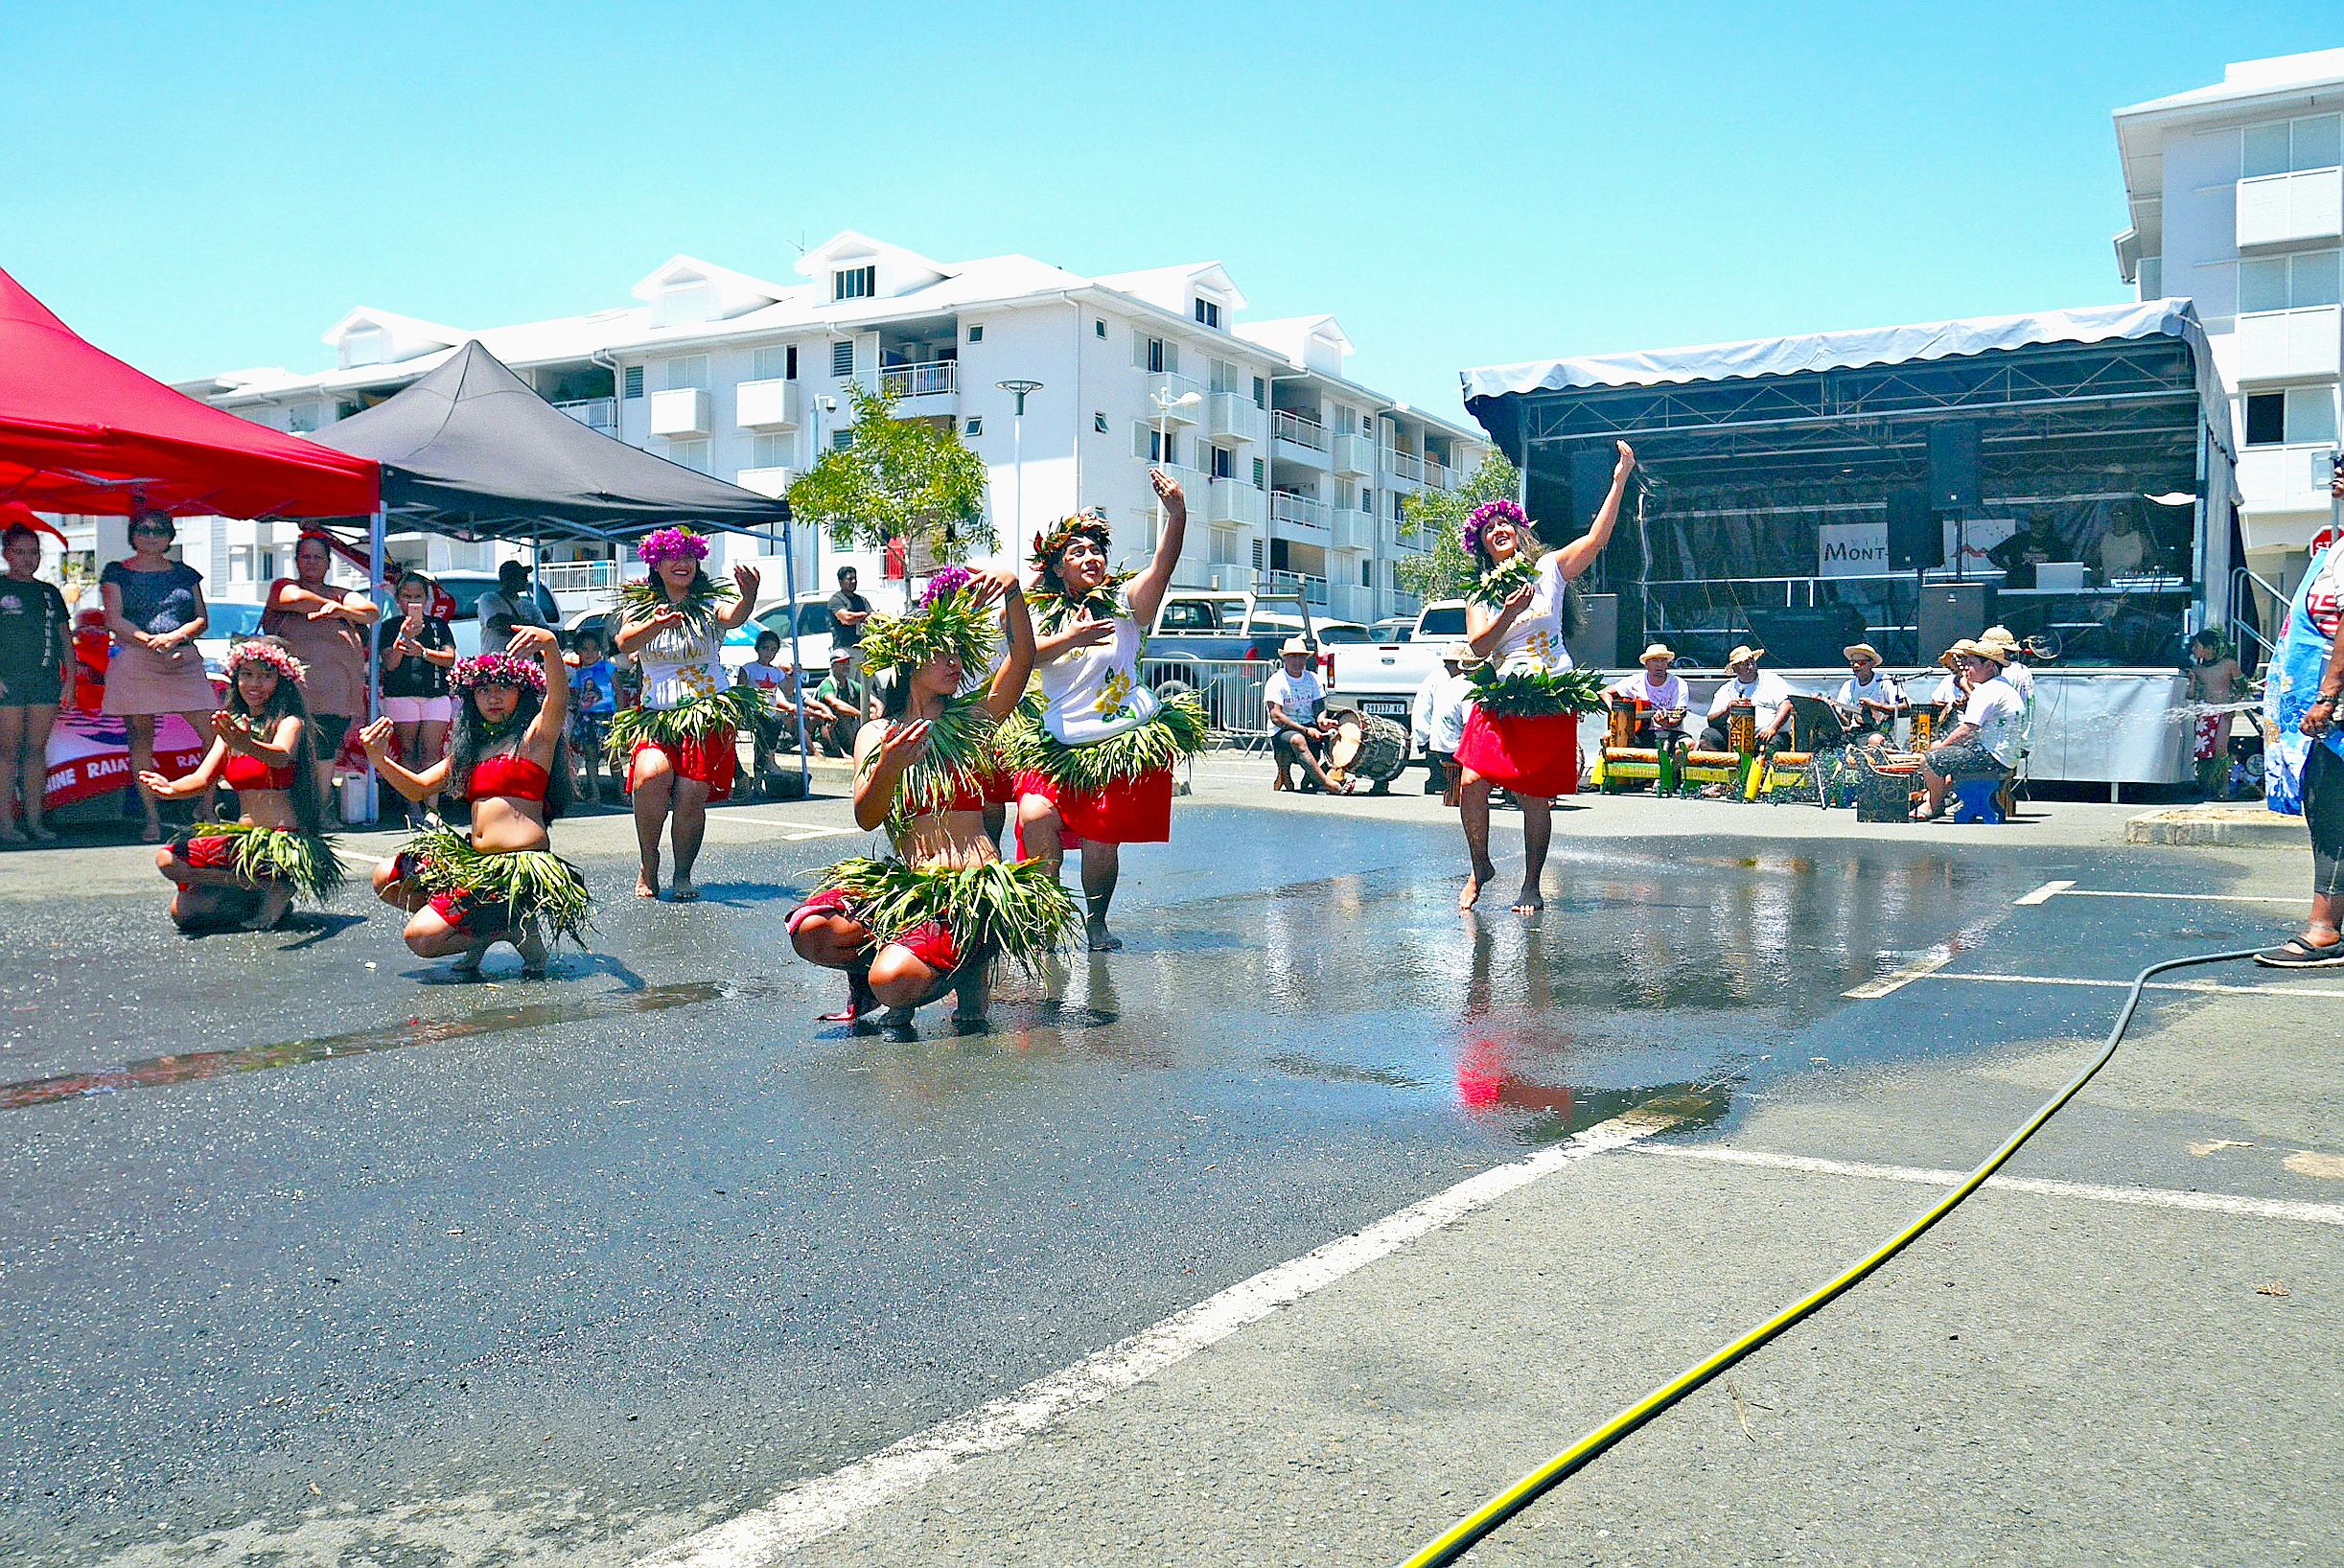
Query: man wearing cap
(1985,743)
(1663,690)
(1437,720)
(833,712)
(1869,700)
(1298,727)
(1765,692)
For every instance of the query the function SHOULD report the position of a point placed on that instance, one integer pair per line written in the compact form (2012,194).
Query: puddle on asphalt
(193,1067)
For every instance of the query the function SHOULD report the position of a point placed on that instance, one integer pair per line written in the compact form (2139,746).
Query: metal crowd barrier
(1230,689)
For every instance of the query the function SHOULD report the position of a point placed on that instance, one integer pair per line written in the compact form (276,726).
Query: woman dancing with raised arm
(1094,760)
(932,919)
(502,883)
(677,747)
(1523,734)
(248,872)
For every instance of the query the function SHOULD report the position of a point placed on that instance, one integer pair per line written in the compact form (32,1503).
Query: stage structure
(1804,492)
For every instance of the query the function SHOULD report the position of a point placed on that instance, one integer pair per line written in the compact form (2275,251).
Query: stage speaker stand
(1953,466)
(1950,613)
(1915,539)
(1807,639)
(1597,647)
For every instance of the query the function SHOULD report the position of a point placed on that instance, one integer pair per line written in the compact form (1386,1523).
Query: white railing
(1353,454)
(1353,531)
(2287,209)
(1302,432)
(1234,503)
(578,576)
(1439,474)
(1299,510)
(2284,345)
(930,379)
(1406,465)
(1352,602)
(594,413)
(1164,390)
(1313,589)
(1235,418)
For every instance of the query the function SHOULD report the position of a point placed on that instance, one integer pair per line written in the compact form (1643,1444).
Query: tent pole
(789,569)
(376,531)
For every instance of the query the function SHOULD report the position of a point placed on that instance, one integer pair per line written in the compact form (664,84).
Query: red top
(244,772)
(513,777)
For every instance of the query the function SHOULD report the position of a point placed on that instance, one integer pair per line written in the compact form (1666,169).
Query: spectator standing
(1437,720)
(416,649)
(36,668)
(2304,688)
(594,687)
(507,606)
(321,625)
(849,611)
(155,606)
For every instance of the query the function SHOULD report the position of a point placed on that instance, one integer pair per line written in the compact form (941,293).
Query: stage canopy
(83,432)
(1770,468)
(472,450)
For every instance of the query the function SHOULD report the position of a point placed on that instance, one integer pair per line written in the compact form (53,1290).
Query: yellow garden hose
(1470,1530)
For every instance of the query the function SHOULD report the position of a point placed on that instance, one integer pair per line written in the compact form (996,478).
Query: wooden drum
(1742,728)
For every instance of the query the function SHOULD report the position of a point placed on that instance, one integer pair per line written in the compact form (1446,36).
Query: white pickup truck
(1381,678)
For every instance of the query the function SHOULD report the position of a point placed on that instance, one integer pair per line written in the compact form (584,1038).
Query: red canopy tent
(81,432)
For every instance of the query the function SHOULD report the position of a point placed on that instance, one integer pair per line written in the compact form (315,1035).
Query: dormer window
(684,299)
(365,346)
(1208,311)
(854,283)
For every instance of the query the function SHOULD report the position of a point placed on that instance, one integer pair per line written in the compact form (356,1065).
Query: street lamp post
(1021,389)
(1165,404)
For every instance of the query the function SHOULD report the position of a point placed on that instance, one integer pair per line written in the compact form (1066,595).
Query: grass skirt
(538,884)
(308,864)
(1178,731)
(1015,908)
(714,716)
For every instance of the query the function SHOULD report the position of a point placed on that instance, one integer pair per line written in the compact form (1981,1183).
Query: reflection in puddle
(194,1067)
(1313,1066)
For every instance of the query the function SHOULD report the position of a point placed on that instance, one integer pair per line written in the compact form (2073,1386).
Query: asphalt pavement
(312,1254)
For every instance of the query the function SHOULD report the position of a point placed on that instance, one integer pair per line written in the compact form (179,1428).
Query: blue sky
(198,187)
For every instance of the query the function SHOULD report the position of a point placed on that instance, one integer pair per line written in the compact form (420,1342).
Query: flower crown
(269,656)
(469,675)
(671,544)
(1050,540)
(1487,513)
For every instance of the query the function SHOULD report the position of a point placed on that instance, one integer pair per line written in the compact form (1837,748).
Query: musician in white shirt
(1660,689)
(1294,699)
(1988,741)
(1437,720)
(1870,700)
(1768,697)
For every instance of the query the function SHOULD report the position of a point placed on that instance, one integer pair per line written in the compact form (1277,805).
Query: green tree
(910,479)
(1448,572)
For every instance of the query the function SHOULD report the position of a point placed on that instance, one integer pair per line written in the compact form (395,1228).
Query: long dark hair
(287,702)
(470,740)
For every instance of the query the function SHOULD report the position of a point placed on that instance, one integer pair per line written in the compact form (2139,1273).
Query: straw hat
(1992,652)
(1999,638)
(1461,655)
(1743,652)
(1294,645)
(1860,650)
(1659,650)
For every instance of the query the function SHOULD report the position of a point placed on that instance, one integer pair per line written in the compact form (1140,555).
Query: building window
(976,334)
(1099,422)
(775,364)
(1367,502)
(973,424)
(632,380)
(1256,555)
(2299,416)
(1099,328)
(854,283)
(1224,463)
(842,357)
(770,450)
(1154,354)
(1398,516)
(842,439)
(691,455)
(1157,446)
(692,370)
(1367,575)
(1261,475)
(1208,311)
(2285,147)
(2290,283)
(1261,393)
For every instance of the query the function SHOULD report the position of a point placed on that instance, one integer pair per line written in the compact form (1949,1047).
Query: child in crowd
(594,698)
(777,732)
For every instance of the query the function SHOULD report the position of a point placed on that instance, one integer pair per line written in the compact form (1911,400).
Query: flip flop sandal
(2297,954)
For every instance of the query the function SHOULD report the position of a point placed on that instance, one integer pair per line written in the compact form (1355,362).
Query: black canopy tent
(470,450)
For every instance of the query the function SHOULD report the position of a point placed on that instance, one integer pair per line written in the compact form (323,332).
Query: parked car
(1394,629)
(232,620)
(1383,677)
(740,644)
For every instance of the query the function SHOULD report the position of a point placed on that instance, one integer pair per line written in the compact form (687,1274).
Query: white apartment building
(2236,198)
(1296,475)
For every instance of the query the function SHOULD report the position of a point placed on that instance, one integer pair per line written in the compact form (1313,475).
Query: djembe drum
(1924,727)
(1742,728)
(1624,722)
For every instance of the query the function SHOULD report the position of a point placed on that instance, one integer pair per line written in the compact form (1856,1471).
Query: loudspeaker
(1915,541)
(1590,480)
(1807,639)
(1596,647)
(1949,613)
(1953,466)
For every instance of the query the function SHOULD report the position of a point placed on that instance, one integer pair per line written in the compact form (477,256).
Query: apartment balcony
(594,413)
(1298,437)
(1313,589)
(1234,577)
(2287,209)
(1353,454)
(766,481)
(2286,478)
(774,405)
(929,379)
(2283,345)
(1299,516)
(1350,601)
(682,413)
(1191,483)
(1164,390)
(1232,417)
(1353,531)
(1233,503)
(1439,475)
(1404,465)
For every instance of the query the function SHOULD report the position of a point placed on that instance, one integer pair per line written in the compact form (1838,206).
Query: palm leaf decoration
(538,884)
(1054,612)
(1179,729)
(1499,584)
(954,623)
(695,719)
(1018,910)
(962,743)
(1535,694)
(309,865)
(702,602)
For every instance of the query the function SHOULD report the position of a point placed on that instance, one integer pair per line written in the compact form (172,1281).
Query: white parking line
(826,1504)
(1935,960)
(2335,992)
(2043,894)
(2068,889)
(2152,1197)
(803,830)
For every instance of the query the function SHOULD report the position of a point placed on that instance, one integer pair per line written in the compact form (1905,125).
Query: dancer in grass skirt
(677,750)
(933,919)
(1522,734)
(501,883)
(1095,755)
(248,872)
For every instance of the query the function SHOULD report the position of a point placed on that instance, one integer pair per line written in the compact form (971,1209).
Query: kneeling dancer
(932,919)
(247,873)
(1095,757)
(676,750)
(501,882)
(1523,734)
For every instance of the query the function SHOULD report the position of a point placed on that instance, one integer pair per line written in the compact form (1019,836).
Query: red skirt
(713,760)
(1138,811)
(1535,757)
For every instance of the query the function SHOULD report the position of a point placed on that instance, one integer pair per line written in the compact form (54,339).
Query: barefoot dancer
(1518,621)
(1094,764)
(503,883)
(678,745)
(247,872)
(908,930)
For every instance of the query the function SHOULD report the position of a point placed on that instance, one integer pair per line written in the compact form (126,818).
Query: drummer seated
(1767,694)
(1667,707)
(1299,725)
(1870,702)
(1985,743)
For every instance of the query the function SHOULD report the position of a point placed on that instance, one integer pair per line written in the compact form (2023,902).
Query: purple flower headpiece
(270,655)
(469,675)
(1487,513)
(947,580)
(671,544)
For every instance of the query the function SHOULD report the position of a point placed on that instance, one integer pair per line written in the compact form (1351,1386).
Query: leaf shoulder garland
(702,602)
(1054,611)
(962,747)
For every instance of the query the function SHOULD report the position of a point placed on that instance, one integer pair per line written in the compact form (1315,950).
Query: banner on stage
(1853,549)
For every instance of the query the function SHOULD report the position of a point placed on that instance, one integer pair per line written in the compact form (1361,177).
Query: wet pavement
(295,1224)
